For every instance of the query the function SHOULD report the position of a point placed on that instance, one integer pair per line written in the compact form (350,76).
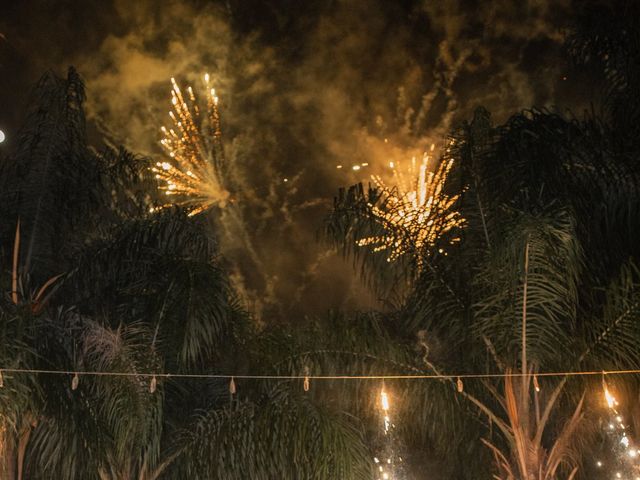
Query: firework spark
(415,212)
(193,175)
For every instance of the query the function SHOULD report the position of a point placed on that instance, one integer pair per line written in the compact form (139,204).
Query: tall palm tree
(97,282)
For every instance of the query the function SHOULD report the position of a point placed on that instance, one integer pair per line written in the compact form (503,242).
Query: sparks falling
(388,463)
(193,175)
(624,463)
(415,212)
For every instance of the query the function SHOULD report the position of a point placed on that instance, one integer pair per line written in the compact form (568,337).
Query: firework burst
(415,212)
(193,175)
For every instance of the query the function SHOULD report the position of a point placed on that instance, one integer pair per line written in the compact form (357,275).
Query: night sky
(304,86)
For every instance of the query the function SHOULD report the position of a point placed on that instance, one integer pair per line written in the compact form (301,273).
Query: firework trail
(195,175)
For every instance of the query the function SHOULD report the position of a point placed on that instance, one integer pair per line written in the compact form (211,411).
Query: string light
(232,386)
(460,385)
(153,384)
(305,384)
(317,377)
(2,136)
(75,381)
(536,385)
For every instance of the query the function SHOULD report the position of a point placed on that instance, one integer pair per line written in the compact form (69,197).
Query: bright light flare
(611,400)
(384,401)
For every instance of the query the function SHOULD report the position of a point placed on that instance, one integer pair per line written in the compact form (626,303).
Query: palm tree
(542,279)
(97,283)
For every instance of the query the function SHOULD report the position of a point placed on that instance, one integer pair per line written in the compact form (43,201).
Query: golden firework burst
(193,175)
(415,211)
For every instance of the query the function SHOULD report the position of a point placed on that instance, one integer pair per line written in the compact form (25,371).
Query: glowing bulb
(2,136)
(599,463)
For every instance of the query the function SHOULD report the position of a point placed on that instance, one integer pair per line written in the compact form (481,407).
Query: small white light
(599,463)
(2,136)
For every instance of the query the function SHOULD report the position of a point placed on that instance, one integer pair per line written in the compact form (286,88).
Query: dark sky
(304,86)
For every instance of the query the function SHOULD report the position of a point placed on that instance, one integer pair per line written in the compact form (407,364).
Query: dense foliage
(544,278)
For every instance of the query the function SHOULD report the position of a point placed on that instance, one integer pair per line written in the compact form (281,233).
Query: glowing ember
(193,174)
(415,211)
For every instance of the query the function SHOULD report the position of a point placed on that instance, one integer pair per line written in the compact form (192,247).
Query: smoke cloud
(305,88)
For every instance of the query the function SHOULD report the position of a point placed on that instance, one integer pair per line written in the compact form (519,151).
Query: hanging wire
(319,377)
